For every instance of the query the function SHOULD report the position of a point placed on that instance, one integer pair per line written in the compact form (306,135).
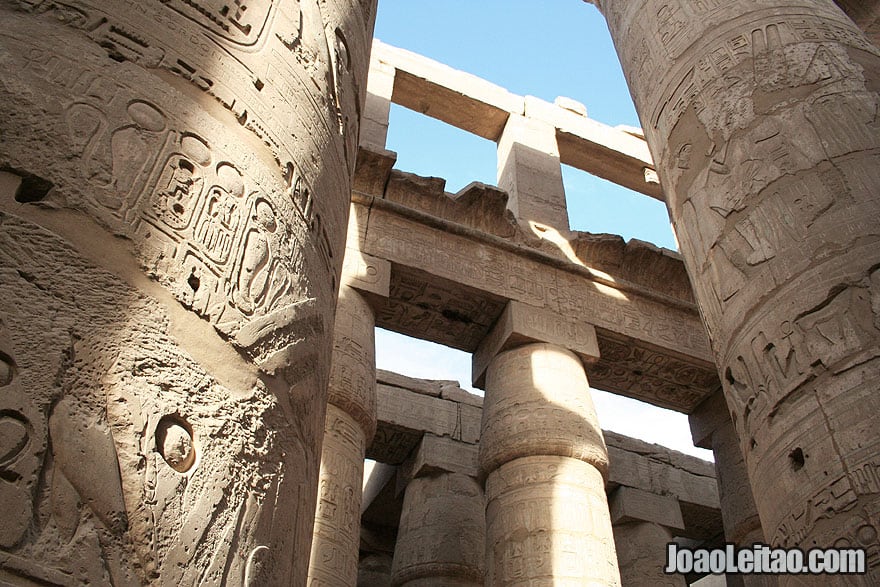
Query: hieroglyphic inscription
(504,274)
(637,371)
(229,241)
(432,309)
(225,55)
(337,518)
(528,537)
(22,444)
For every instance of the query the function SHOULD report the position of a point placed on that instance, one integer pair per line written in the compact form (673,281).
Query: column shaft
(762,118)
(544,458)
(441,533)
(173,202)
(349,427)
(641,554)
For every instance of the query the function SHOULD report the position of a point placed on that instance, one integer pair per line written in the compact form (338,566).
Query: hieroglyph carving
(206,134)
(764,119)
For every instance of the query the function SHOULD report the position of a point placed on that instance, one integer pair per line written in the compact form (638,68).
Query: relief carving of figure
(118,160)
(261,281)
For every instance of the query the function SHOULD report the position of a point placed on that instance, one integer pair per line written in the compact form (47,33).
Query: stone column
(762,119)
(442,531)
(712,429)
(173,198)
(544,460)
(530,171)
(348,429)
(643,524)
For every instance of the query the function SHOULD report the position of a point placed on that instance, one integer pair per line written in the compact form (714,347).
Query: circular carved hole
(174,441)
(7,370)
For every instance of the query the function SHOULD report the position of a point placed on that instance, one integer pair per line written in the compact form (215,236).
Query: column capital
(439,454)
(707,418)
(352,384)
(521,324)
(628,504)
(538,404)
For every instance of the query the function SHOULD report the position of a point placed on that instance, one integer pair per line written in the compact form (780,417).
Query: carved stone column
(173,198)
(643,524)
(762,119)
(712,429)
(348,429)
(442,531)
(544,460)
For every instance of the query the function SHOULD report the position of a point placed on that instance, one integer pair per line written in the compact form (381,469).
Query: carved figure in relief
(220,217)
(117,160)
(261,280)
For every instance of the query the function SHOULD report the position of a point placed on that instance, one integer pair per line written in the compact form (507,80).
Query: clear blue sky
(543,49)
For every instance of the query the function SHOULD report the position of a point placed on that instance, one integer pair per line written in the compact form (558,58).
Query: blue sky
(543,49)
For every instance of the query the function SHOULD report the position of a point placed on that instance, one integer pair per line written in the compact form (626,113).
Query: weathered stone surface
(353,371)
(404,416)
(547,521)
(538,403)
(365,273)
(641,554)
(430,387)
(349,426)
(479,107)
(520,324)
(455,97)
(530,172)
(442,533)
(441,454)
(449,284)
(628,504)
(334,555)
(171,232)
(544,462)
(772,186)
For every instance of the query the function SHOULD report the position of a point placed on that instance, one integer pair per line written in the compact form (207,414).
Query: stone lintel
(707,417)
(404,416)
(521,324)
(631,469)
(438,454)
(628,504)
(366,273)
(482,108)
(455,97)
(432,387)
(373,170)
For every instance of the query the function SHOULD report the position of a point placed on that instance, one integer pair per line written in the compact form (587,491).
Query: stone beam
(416,427)
(457,98)
(406,415)
(450,284)
(482,108)
(629,504)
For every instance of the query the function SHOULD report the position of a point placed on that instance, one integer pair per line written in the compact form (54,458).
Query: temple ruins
(201,227)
